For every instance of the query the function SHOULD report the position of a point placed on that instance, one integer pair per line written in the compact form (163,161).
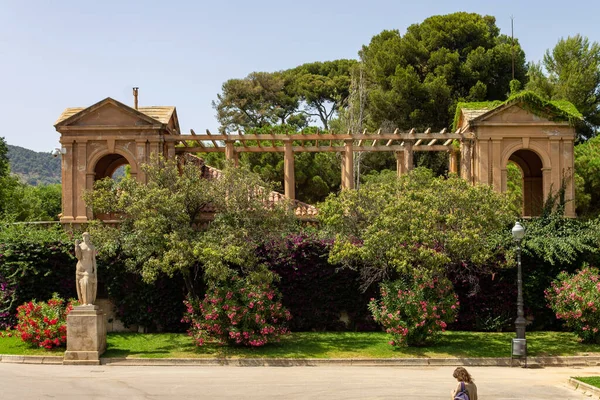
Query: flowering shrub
(415,313)
(575,299)
(44,324)
(6,295)
(237,312)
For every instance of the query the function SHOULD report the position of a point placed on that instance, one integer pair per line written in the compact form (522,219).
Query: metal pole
(520,321)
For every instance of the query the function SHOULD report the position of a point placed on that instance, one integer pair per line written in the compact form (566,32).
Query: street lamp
(519,344)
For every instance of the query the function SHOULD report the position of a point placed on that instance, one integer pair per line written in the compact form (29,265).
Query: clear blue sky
(58,54)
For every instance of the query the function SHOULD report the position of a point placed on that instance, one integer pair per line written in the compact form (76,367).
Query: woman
(465,384)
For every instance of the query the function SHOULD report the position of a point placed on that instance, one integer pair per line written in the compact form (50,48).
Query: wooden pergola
(403,144)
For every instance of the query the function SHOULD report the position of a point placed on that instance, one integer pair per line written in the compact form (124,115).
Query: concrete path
(23,381)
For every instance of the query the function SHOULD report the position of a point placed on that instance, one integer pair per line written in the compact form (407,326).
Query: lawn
(329,345)
(590,380)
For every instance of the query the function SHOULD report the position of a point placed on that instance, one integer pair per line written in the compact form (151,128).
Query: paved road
(23,381)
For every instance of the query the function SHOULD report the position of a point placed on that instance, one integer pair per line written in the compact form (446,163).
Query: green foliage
(573,74)
(587,167)
(157,306)
(36,262)
(417,79)
(575,298)
(34,168)
(323,87)
(554,110)
(514,186)
(415,313)
(4,165)
(392,226)
(161,230)
(261,99)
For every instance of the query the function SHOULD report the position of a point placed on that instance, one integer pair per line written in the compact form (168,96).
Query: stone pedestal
(86,335)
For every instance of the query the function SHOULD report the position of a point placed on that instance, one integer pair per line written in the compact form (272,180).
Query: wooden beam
(198,142)
(432,142)
(356,137)
(418,142)
(314,149)
(213,141)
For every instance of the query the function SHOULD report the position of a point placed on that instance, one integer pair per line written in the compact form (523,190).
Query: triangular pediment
(107,112)
(512,113)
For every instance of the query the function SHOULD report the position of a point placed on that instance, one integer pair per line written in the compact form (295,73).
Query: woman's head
(462,375)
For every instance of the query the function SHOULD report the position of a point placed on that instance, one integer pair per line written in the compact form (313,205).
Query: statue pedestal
(86,335)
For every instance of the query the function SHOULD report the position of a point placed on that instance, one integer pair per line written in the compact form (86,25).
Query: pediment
(107,112)
(110,115)
(514,113)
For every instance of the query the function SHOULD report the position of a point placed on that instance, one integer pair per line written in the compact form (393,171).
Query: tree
(587,172)
(261,99)
(417,79)
(323,87)
(573,74)
(161,229)
(393,226)
(4,165)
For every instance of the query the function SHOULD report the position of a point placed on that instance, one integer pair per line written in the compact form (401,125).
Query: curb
(589,390)
(14,359)
(530,362)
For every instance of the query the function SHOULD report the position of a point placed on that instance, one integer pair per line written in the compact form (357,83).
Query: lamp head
(518,232)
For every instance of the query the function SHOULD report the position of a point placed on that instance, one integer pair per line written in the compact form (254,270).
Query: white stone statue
(86,277)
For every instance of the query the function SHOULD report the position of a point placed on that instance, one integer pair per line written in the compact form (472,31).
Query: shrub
(576,299)
(35,262)
(415,313)
(6,295)
(157,306)
(44,324)
(237,312)
(316,292)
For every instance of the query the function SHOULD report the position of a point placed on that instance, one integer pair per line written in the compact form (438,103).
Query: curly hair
(462,375)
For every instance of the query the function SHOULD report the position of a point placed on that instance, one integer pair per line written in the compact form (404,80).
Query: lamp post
(519,344)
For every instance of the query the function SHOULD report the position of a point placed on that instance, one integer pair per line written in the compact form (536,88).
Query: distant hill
(33,167)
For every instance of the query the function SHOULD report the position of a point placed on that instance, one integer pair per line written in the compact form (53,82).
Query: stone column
(400,165)
(86,336)
(230,154)
(348,167)
(288,171)
(141,158)
(67,184)
(453,162)
(496,167)
(80,149)
(466,155)
(408,156)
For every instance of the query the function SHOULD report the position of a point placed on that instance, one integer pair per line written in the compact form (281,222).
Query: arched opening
(111,165)
(530,165)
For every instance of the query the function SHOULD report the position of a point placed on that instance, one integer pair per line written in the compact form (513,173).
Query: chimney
(135,97)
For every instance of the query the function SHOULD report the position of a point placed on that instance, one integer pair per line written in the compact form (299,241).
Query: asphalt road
(26,381)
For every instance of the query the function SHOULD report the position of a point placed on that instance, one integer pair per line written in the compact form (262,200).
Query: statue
(85,276)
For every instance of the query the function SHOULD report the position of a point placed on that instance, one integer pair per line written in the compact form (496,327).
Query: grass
(590,380)
(329,345)
(14,345)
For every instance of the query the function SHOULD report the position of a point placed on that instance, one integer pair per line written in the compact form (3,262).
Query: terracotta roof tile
(159,113)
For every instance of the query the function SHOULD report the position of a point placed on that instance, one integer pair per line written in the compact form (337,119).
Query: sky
(59,54)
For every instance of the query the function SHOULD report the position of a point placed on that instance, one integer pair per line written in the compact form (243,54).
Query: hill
(33,167)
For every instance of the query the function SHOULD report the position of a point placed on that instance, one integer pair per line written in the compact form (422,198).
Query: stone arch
(102,162)
(532,167)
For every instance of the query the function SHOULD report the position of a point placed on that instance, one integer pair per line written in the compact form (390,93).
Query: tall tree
(573,74)
(261,99)
(323,87)
(417,79)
